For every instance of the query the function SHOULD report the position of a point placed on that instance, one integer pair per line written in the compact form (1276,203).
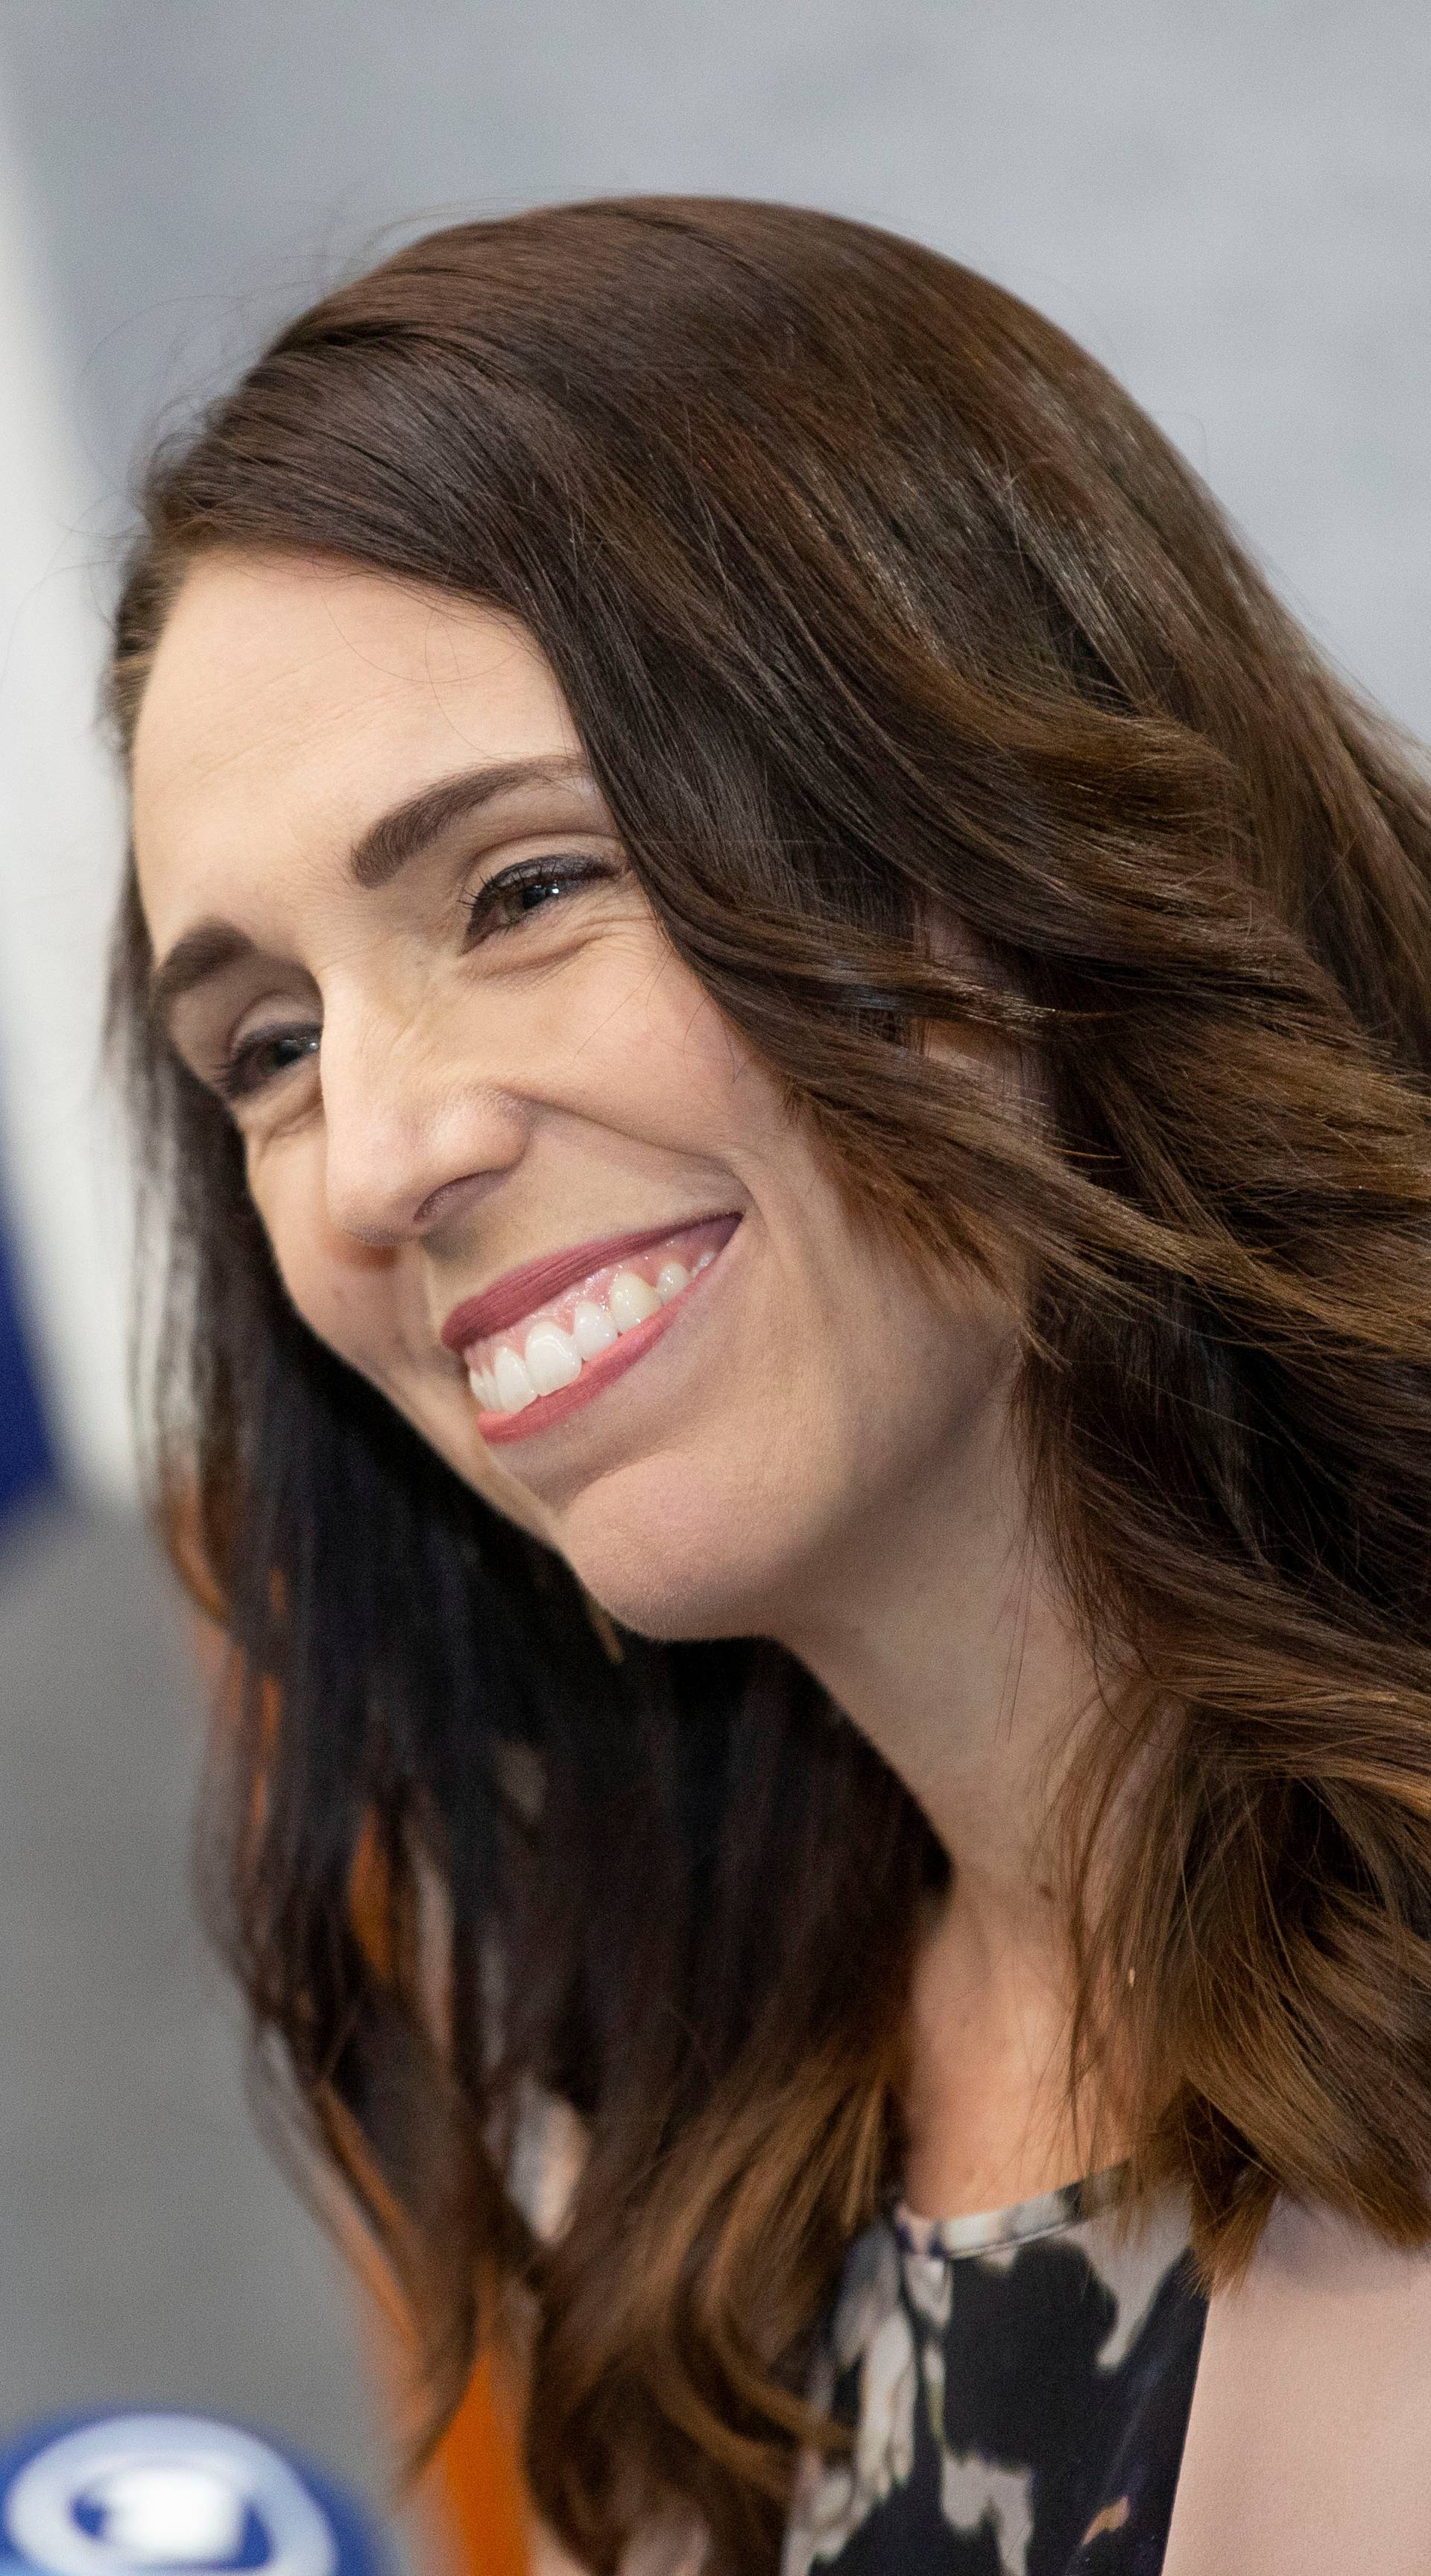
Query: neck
(949,1644)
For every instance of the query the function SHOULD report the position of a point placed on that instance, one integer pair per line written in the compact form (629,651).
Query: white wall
(1229,200)
(60,836)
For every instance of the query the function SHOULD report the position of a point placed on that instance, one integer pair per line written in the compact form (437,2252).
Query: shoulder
(1307,2442)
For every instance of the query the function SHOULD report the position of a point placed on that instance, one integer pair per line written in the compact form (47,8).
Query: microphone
(139,2494)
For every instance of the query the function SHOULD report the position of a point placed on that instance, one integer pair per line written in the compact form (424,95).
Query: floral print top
(1018,2387)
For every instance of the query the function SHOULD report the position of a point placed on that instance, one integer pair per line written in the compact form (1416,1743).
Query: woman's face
(515,1167)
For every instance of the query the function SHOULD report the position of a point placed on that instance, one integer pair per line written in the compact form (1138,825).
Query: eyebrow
(377,856)
(204,951)
(388,844)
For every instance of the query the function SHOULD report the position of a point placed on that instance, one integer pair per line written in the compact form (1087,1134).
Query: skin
(817,1450)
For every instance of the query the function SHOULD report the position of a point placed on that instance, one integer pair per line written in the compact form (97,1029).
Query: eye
(259,1060)
(513,894)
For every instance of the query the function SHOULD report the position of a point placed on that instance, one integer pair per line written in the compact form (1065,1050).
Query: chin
(666,1594)
(697,1568)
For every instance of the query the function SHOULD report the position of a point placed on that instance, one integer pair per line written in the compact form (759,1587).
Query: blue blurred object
(26,1459)
(135,2493)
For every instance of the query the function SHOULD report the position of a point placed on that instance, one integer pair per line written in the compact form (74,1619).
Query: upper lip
(520,1292)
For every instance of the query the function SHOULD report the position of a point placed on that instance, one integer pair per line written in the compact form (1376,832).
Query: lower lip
(499,1430)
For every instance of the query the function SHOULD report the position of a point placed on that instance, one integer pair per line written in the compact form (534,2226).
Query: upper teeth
(592,1329)
(514,1386)
(550,1357)
(630,1299)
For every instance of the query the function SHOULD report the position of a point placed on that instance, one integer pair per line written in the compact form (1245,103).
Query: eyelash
(240,1075)
(241,1072)
(484,909)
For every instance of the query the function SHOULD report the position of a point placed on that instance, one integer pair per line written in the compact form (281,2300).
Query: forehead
(293,699)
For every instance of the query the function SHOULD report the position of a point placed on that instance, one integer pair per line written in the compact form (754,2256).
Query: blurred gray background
(1228,200)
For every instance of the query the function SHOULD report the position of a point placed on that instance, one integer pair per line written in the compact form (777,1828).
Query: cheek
(344,1291)
(653,1058)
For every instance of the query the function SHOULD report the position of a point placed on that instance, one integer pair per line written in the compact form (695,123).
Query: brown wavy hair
(876,602)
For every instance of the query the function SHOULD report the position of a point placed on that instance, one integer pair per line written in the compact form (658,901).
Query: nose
(412,1132)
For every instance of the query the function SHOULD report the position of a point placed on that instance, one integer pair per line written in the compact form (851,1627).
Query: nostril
(441,1202)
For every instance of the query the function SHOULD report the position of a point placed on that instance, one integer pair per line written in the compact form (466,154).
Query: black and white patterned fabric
(1018,2387)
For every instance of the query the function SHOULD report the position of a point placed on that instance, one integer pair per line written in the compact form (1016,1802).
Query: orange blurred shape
(471,2495)
(475,2484)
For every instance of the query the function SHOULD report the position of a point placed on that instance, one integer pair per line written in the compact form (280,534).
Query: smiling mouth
(536,1370)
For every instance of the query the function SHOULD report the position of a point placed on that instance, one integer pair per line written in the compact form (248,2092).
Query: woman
(784,1022)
